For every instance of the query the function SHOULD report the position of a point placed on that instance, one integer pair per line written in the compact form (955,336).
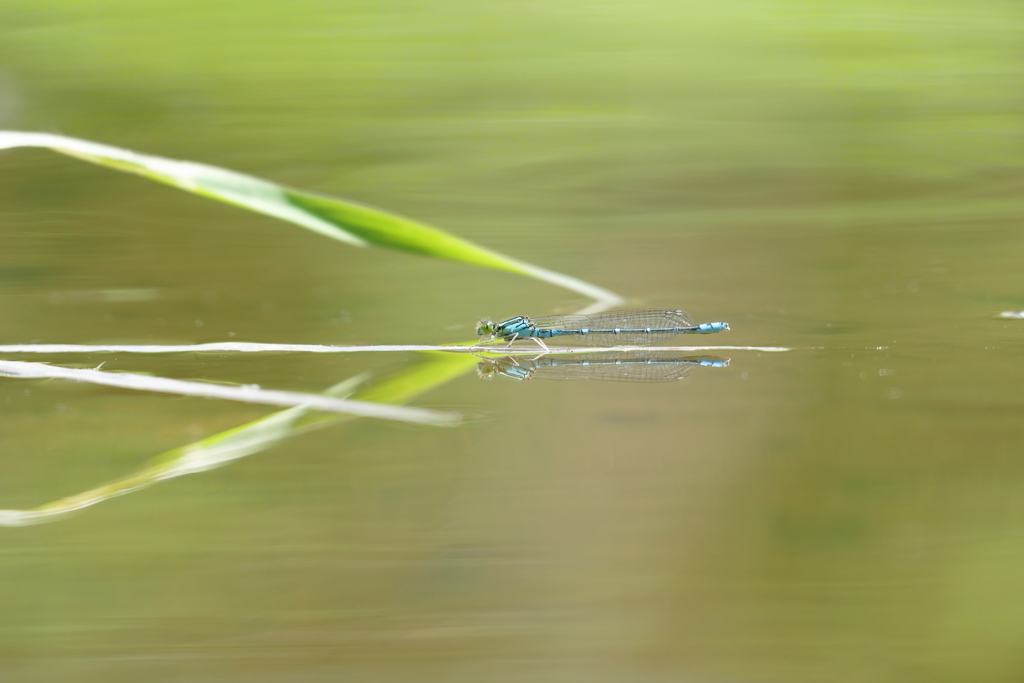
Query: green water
(841,181)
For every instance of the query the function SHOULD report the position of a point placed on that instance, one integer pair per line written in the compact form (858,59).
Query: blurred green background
(839,178)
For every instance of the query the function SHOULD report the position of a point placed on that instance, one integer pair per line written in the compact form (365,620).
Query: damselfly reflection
(617,369)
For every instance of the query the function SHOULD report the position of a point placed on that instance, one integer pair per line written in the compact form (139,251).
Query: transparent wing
(638,320)
(635,319)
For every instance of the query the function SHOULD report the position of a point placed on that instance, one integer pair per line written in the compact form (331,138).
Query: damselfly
(648,327)
(620,369)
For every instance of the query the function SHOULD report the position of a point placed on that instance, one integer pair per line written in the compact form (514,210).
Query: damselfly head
(486,327)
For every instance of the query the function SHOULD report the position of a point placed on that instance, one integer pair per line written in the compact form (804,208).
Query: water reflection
(245,440)
(617,368)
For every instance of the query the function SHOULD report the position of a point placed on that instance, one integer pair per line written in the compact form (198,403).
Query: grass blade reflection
(242,394)
(233,444)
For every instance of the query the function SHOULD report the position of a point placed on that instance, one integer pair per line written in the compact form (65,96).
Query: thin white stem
(254,347)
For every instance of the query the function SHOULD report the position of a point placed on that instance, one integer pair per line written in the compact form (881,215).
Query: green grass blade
(335,218)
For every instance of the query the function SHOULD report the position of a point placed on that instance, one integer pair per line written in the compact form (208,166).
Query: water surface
(841,182)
